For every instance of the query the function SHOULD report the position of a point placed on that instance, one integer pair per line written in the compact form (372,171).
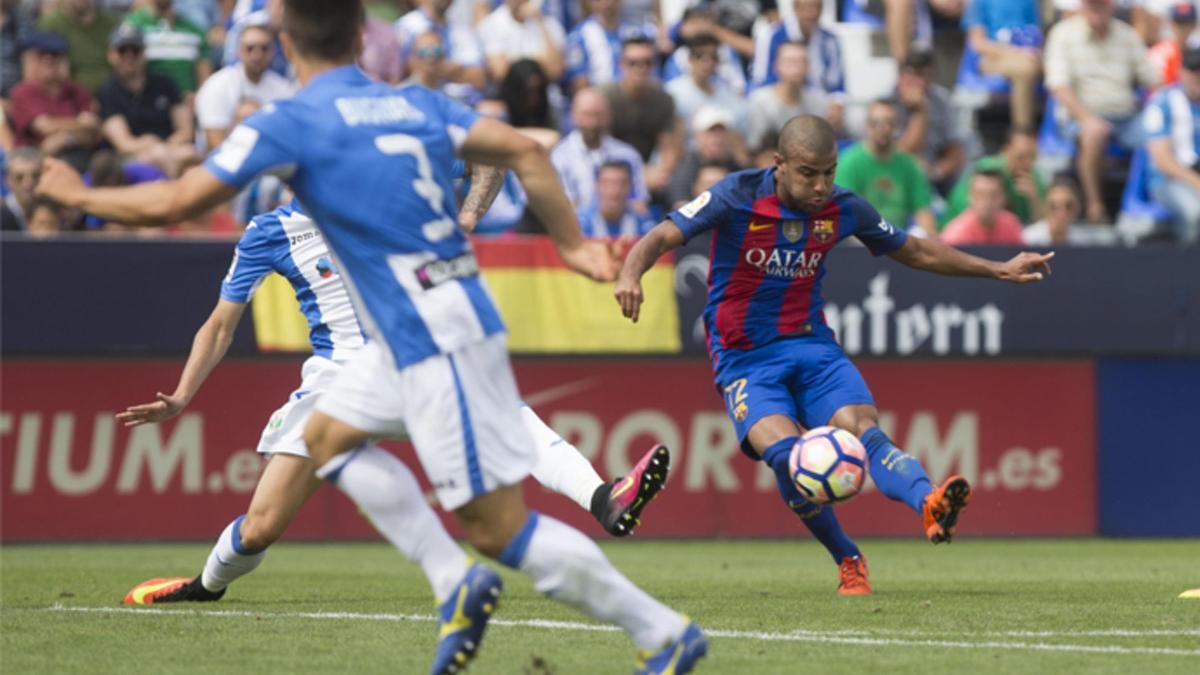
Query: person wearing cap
(1007,34)
(715,140)
(49,111)
(175,47)
(145,117)
(700,87)
(86,29)
(1167,54)
(1093,65)
(928,121)
(1172,125)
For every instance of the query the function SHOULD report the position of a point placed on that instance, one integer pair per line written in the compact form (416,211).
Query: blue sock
(819,519)
(898,475)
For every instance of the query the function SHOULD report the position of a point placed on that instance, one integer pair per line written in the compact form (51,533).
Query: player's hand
(60,182)
(1026,267)
(593,258)
(629,296)
(619,248)
(164,408)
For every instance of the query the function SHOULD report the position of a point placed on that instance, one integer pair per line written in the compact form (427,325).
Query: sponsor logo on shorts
(440,271)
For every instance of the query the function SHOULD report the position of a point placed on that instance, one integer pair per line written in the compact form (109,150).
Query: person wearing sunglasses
(236,91)
(22,169)
(145,117)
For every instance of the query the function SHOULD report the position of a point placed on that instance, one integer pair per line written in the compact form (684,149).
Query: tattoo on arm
(485,185)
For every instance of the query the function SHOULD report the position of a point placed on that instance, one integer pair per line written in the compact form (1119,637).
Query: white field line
(828,637)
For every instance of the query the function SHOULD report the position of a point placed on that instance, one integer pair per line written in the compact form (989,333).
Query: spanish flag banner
(547,308)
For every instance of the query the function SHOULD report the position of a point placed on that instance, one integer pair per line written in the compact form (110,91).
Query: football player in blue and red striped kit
(774,358)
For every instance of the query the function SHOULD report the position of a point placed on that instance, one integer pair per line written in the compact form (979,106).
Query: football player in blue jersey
(371,164)
(287,241)
(774,357)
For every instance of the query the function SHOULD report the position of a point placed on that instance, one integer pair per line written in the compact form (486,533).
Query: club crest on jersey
(325,268)
(822,230)
(792,230)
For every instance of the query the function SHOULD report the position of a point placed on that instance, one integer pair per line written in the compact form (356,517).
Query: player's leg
(902,478)
(617,505)
(477,453)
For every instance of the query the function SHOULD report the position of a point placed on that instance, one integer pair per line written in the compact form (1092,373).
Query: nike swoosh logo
(622,488)
(554,393)
(755,227)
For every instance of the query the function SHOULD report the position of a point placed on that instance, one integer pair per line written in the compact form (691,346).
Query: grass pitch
(998,606)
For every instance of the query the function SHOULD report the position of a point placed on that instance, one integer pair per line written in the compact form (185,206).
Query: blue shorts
(806,379)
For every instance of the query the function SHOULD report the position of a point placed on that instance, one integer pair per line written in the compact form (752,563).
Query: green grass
(974,594)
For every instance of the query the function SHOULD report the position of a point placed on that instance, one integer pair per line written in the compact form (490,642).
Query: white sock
(560,466)
(388,493)
(228,560)
(570,568)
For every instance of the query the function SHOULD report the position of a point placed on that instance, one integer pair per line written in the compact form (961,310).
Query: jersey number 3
(424,185)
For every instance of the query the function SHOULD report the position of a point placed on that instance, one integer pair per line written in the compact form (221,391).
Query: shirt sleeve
(1156,121)
(253,260)
(256,146)
(458,117)
(873,230)
(577,59)
(973,14)
(1058,66)
(703,213)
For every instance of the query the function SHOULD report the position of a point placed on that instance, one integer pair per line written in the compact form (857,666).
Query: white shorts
(461,410)
(284,432)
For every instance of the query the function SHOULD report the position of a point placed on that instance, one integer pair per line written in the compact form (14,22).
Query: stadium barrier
(1088,441)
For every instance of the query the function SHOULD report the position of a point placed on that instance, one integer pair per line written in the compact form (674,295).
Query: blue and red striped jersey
(767,261)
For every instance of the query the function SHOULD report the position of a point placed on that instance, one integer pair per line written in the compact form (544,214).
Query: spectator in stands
(709,175)
(578,156)
(86,29)
(268,15)
(733,48)
(594,48)
(1024,188)
(380,57)
(235,92)
(22,168)
(889,178)
(1093,62)
(464,66)
(45,219)
(929,127)
(109,170)
(144,114)
(701,87)
(909,23)
(1007,34)
(985,221)
(517,29)
(526,95)
(770,107)
(1172,121)
(15,26)
(643,114)
(825,70)
(1061,226)
(611,215)
(716,142)
(49,111)
(1167,54)
(175,47)
(426,61)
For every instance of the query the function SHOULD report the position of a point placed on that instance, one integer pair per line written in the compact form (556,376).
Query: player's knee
(318,440)
(486,540)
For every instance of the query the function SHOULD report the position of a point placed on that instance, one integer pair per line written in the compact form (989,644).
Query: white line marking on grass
(828,637)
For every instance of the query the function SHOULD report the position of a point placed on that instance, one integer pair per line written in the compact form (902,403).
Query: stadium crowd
(1045,122)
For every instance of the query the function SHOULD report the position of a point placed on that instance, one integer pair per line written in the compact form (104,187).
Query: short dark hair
(702,40)
(990,173)
(637,40)
(324,29)
(617,164)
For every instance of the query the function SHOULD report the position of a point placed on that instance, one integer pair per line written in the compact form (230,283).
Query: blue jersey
(287,241)
(767,261)
(371,163)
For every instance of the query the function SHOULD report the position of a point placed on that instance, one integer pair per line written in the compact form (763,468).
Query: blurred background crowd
(1051,122)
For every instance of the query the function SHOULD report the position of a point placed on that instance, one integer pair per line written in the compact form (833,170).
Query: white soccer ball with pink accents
(828,465)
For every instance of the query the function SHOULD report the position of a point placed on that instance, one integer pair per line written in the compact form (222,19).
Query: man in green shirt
(175,47)
(1022,185)
(86,29)
(886,176)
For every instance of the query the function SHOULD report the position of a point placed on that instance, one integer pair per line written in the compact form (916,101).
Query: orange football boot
(942,506)
(853,573)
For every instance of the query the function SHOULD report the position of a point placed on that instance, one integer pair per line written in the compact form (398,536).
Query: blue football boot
(678,657)
(463,617)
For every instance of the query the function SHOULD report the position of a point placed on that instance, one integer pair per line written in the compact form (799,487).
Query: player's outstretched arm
(208,348)
(664,237)
(157,204)
(933,256)
(495,143)
(486,182)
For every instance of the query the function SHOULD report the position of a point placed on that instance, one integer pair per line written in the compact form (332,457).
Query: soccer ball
(828,465)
